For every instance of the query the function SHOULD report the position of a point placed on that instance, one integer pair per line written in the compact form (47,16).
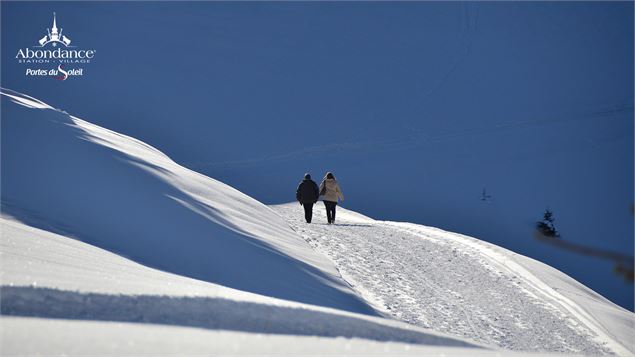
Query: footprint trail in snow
(451,283)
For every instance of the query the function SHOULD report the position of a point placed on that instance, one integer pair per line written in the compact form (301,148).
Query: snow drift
(66,175)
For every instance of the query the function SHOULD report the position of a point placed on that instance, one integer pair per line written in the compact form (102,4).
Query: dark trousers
(308,211)
(330,210)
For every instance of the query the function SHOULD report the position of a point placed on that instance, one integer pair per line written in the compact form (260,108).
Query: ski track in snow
(450,283)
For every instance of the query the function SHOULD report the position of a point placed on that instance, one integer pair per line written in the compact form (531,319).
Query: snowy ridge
(67,175)
(466,287)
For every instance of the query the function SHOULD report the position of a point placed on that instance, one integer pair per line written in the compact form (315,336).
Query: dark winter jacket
(307,192)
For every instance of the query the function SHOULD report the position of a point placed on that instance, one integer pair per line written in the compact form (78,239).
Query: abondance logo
(55,49)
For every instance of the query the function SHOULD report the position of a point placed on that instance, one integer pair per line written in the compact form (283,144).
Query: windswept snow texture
(466,287)
(63,174)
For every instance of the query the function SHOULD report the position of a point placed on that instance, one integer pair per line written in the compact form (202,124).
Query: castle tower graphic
(54,36)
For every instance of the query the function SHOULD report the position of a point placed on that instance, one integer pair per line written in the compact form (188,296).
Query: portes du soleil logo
(55,49)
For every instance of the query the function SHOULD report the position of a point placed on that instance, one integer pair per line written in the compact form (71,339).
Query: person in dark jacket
(307,194)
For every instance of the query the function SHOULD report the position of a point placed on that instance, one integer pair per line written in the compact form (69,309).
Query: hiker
(307,194)
(330,191)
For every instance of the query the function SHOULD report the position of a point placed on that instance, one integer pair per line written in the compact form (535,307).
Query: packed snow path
(455,284)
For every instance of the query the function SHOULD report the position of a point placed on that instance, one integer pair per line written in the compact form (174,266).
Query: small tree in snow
(546,232)
(546,227)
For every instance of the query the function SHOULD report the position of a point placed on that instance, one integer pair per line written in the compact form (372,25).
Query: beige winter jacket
(333,190)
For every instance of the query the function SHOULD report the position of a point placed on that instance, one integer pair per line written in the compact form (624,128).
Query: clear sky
(416,107)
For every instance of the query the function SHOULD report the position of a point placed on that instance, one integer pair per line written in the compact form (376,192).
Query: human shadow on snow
(343,224)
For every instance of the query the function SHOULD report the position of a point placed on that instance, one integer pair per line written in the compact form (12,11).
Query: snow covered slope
(66,175)
(62,296)
(466,287)
(109,246)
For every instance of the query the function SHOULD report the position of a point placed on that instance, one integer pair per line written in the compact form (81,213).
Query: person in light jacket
(330,191)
